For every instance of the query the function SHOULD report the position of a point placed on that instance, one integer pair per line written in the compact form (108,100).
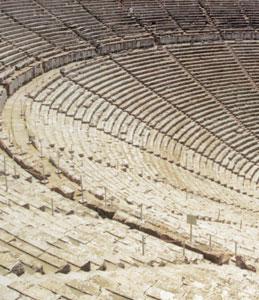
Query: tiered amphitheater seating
(28,203)
(135,171)
(102,160)
(76,17)
(152,15)
(251,11)
(24,39)
(189,15)
(226,14)
(174,90)
(248,54)
(173,283)
(34,17)
(114,16)
(220,78)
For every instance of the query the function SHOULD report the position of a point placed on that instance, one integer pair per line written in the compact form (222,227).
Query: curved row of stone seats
(224,78)
(60,121)
(156,79)
(113,15)
(151,14)
(248,54)
(87,20)
(110,116)
(25,54)
(35,17)
(189,15)
(181,281)
(112,186)
(74,141)
(73,228)
(34,42)
(72,137)
(58,240)
(148,109)
(76,17)
(25,39)
(250,9)
(68,137)
(226,14)
(12,58)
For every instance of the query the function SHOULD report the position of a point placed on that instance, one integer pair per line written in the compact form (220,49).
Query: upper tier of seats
(44,34)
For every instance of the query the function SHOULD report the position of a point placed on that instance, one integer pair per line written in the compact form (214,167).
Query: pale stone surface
(159,133)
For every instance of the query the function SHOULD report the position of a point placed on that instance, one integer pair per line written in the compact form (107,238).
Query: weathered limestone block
(241,263)
(64,191)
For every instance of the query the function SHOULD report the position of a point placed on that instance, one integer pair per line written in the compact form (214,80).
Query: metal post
(21,114)
(10,136)
(81,183)
(184,249)
(191,233)
(218,214)
(141,212)
(44,176)
(6,183)
(52,206)
(105,196)
(58,163)
(241,224)
(4,165)
(82,189)
(210,246)
(14,170)
(143,245)
(29,140)
(71,151)
(41,149)
(82,196)
(235,248)
(5,175)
